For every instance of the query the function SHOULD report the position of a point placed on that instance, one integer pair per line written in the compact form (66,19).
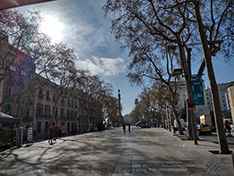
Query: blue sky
(82,26)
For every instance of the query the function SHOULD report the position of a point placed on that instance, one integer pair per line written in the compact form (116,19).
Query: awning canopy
(5,118)
(6,4)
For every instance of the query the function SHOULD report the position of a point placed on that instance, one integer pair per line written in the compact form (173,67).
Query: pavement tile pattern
(112,152)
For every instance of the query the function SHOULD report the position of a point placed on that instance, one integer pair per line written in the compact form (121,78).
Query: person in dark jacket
(124,127)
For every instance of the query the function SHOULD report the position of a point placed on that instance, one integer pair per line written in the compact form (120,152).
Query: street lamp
(119,96)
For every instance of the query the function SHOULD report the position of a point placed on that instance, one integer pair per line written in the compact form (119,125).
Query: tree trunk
(178,120)
(187,71)
(189,123)
(214,89)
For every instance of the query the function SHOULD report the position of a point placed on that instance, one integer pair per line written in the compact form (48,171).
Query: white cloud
(103,66)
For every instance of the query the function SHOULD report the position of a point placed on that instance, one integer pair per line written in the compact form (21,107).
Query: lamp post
(119,97)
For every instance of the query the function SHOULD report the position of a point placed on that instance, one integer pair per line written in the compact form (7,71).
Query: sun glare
(52,27)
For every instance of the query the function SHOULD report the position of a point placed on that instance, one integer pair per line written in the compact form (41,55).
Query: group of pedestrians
(54,133)
(124,128)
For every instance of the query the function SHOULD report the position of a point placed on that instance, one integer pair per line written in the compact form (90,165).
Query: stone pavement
(152,151)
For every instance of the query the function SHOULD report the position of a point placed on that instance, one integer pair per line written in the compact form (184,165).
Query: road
(213,138)
(152,151)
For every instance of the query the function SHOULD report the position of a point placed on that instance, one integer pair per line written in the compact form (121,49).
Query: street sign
(197,90)
(191,104)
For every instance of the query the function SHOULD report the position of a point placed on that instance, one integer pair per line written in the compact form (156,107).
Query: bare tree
(55,62)
(15,34)
(216,32)
(149,27)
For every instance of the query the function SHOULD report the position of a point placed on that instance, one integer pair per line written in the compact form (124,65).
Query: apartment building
(182,98)
(53,107)
(64,107)
(17,71)
(222,89)
(230,95)
(38,102)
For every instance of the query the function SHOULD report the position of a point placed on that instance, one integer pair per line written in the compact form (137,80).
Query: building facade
(230,95)
(17,70)
(224,104)
(61,107)
(40,103)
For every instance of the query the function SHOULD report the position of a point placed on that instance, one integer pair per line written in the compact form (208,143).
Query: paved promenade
(152,151)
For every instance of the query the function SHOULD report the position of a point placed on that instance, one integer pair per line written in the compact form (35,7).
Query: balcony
(9,99)
(40,96)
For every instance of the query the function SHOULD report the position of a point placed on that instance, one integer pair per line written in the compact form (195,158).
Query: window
(68,103)
(62,113)
(8,91)
(72,114)
(21,82)
(47,95)
(54,97)
(47,111)
(68,126)
(39,110)
(8,109)
(38,127)
(46,127)
(68,114)
(40,94)
(10,80)
(62,101)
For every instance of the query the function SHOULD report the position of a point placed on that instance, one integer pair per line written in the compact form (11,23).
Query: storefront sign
(30,133)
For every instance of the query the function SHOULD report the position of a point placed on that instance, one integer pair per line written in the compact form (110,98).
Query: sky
(81,24)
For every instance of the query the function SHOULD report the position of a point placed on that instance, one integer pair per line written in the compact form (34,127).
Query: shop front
(8,131)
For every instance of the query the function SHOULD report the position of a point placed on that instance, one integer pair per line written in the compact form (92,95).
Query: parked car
(204,129)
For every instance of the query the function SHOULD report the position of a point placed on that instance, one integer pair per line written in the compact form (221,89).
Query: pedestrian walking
(228,127)
(124,127)
(51,135)
(129,128)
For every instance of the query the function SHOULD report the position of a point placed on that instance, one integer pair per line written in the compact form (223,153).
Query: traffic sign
(197,90)
(191,104)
